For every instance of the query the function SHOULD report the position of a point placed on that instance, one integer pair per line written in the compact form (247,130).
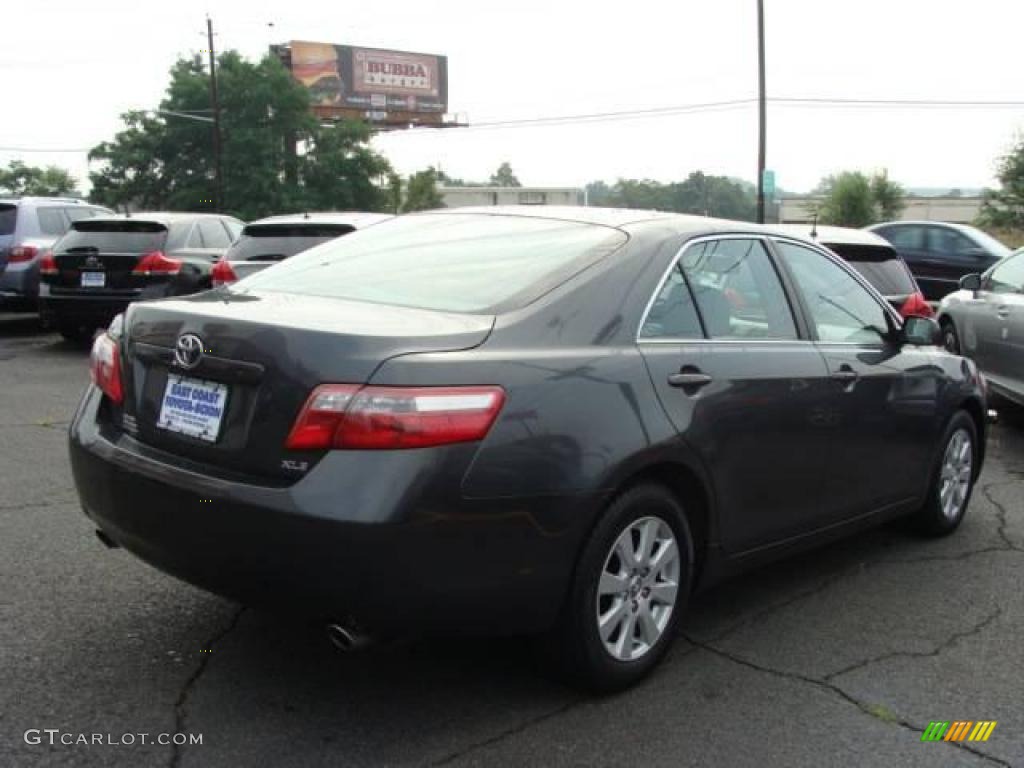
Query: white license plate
(94,279)
(193,407)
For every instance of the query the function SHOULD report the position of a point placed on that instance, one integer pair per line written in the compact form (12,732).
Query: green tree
(163,161)
(504,177)
(853,199)
(1004,207)
(421,192)
(19,179)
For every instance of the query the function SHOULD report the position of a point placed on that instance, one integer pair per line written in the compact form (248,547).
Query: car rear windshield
(8,218)
(114,236)
(881,266)
(450,262)
(275,242)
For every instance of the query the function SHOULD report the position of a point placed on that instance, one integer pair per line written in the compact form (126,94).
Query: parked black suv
(28,227)
(101,265)
(939,254)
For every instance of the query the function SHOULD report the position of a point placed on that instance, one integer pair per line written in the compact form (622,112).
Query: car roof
(924,222)
(37,199)
(159,217)
(829,235)
(609,217)
(357,219)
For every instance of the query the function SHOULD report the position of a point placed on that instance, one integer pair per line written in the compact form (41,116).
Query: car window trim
(895,321)
(802,329)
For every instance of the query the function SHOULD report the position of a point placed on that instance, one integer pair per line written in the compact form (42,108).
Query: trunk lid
(107,251)
(264,353)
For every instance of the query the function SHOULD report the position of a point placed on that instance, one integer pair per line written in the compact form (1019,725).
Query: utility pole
(762,106)
(217,162)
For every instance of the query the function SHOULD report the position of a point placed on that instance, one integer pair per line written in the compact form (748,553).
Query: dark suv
(28,227)
(939,254)
(103,264)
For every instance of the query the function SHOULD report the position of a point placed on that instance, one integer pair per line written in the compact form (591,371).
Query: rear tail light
(916,306)
(105,367)
(48,264)
(355,417)
(222,273)
(156,263)
(22,253)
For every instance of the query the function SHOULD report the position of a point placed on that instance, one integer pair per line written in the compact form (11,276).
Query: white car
(268,241)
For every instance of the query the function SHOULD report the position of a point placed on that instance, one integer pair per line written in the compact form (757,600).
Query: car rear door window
(738,292)
(842,310)
(52,221)
(214,234)
(1008,277)
(672,315)
(8,218)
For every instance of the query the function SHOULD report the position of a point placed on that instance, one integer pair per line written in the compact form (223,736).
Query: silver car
(28,227)
(984,321)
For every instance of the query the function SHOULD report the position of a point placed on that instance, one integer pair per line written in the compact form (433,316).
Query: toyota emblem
(188,351)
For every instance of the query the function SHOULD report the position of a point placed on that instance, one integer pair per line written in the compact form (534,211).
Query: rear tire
(952,479)
(950,338)
(76,333)
(628,594)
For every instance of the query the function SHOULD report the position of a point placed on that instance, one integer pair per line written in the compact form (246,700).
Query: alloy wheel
(638,588)
(955,480)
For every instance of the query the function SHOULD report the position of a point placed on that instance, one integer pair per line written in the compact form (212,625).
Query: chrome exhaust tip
(346,639)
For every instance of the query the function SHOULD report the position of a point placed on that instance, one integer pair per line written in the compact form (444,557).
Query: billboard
(343,80)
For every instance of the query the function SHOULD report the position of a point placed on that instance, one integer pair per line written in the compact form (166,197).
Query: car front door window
(841,309)
(1008,276)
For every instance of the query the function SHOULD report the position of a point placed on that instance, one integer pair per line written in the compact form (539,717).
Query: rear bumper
(384,550)
(98,309)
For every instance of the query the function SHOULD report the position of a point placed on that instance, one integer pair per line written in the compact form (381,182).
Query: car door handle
(845,375)
(689,380)
(1003,312)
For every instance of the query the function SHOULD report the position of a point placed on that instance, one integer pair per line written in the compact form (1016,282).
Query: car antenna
(814,227)
(305,214)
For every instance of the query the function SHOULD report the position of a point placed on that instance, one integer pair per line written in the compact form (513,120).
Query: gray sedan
(984,320)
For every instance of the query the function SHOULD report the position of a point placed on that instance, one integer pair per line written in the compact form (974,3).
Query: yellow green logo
(958,730)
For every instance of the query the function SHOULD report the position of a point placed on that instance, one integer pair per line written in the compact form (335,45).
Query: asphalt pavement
(840,657)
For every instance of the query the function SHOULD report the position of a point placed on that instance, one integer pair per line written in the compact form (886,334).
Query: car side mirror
(920,332)
(971,282)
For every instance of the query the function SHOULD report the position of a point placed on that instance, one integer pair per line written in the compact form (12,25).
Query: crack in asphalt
(59,425)
(830,687)
(1001,513)
(509,732)
(37,504)
(767,611)
(949,642)
(181,704)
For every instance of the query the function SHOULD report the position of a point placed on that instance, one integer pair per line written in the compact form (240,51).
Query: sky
(69,69)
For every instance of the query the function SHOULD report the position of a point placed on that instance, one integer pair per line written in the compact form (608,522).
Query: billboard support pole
(217,163)
(762,112)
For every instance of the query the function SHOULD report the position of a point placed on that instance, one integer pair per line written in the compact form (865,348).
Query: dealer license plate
(193,407)
(94,279)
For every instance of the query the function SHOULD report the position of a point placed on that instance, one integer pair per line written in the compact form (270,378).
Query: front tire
(952,479)
(629,591)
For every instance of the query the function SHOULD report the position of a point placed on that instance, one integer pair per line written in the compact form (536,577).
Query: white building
(954,209)
(463,197)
